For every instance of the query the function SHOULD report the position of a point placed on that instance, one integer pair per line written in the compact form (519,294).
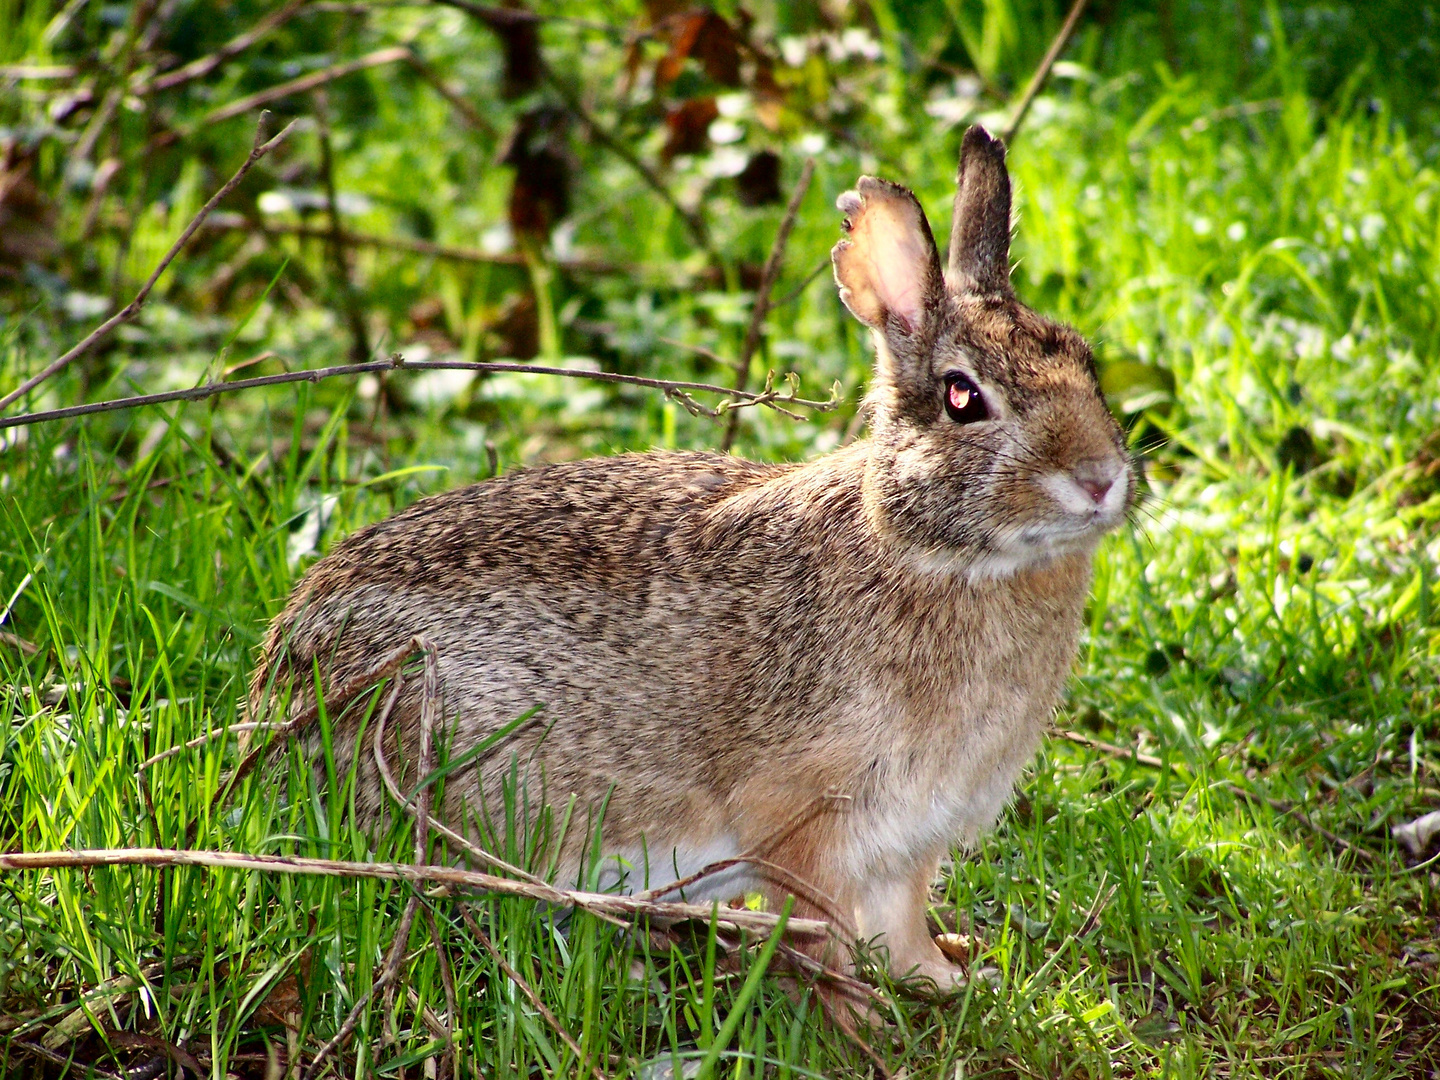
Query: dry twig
(1280,806)
(1037,81)
(762,295)
(456,838)
(429,709)
(15,641)
(241,106)
(692,219)
(1079,739)
(198,69)
(452,876)
(529,992)
(769,397)
(257,151)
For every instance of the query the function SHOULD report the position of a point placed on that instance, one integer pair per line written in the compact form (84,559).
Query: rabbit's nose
(1096,489)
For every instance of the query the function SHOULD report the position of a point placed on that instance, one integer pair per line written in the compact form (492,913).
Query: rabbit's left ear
(887,268)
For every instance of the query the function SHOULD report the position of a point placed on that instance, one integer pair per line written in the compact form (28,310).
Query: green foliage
(1241,210)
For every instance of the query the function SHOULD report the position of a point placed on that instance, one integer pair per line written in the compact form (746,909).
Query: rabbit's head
(991,445)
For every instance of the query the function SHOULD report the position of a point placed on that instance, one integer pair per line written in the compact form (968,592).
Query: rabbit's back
(660,608)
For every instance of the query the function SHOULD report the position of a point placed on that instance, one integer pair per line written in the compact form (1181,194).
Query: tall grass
(1254,253)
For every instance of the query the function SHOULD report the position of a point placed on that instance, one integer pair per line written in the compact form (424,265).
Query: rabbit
(835,669)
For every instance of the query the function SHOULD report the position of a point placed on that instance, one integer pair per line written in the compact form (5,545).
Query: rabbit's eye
(963,401)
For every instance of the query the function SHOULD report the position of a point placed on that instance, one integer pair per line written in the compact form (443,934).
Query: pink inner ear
(899,257)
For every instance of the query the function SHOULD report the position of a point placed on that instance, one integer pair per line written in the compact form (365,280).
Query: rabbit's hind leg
(891,914)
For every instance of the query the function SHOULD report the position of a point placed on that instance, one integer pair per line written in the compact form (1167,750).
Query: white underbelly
(661,863)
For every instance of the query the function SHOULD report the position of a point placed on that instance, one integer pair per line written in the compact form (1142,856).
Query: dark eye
(963,402)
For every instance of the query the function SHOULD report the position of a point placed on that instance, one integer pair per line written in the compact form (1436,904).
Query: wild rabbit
(837,668)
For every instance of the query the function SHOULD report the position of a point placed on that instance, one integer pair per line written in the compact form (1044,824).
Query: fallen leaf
(956,947)
(1416,835)
(689,125)
(709,40)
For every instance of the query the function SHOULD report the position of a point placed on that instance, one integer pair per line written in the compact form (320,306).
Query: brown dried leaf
(27,218)
(537,150)
(689,126)
(707,38)
(520,46)
(958,948)
(758,184)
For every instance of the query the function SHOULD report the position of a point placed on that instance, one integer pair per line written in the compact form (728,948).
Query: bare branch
(762,295)
(795,293)
(198,69)
(452,876)
(1037,81)
(15,641)
(693,221)
(1280,806)
(468,112)
(529,992)
(38,71)
(258,151)
(1079,739)
(388,778)
(768,398)
(359,335)
(429,708)
(306,82)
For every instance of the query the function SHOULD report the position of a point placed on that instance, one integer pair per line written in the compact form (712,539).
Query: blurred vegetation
(1238,202)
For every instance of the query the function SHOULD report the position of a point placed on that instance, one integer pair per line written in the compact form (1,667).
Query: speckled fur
(719,643)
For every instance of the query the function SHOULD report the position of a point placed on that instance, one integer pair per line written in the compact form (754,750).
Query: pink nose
(1097,489)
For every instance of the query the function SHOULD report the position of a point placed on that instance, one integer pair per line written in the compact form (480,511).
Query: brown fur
(718,644)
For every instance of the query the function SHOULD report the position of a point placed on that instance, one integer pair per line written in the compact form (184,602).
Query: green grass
(1261,285)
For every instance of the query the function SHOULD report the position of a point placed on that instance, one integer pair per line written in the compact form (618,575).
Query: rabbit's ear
(888,268)
(980,229)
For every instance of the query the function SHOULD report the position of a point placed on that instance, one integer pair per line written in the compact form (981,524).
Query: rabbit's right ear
(887,268)
(980,229)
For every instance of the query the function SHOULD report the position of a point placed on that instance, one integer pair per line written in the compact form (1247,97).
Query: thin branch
(1280,806)
(804,890)
(201,740)
(198,69)
(257,151)
(429,708)
(15,641)
(359,335)
(388,778)
(518,16)
(1148,760)
(342,697)
(795,293)
(734,919)
(240,223)
(447,980)
(529,992)
(110,988)
(693,221)
(306,82)
(38,71)
(1037,81)
(768,275)
(62,1060)
(769,397)
(468,112)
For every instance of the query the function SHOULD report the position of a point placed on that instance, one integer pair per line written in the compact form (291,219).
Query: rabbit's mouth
(1092,494)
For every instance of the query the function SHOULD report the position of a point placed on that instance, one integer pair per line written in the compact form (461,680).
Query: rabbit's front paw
(937,978)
